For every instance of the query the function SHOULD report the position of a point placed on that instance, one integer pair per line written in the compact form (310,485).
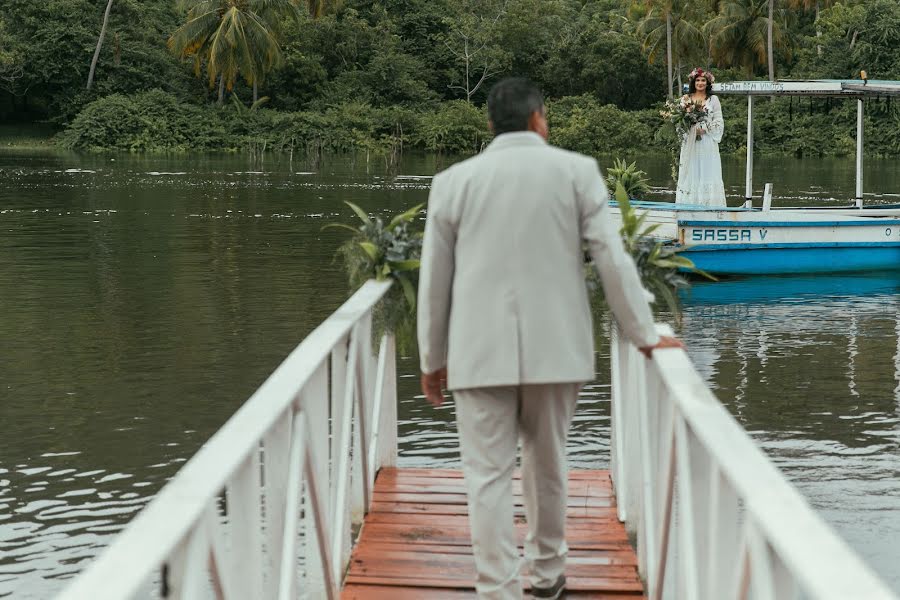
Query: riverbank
(27,136)
(159,122)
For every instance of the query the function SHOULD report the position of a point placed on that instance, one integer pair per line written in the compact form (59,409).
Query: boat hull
(775,261)
(787,241)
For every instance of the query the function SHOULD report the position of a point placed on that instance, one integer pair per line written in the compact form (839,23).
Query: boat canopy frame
(822,88)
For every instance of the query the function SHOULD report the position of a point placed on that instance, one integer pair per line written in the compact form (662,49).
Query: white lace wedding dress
(700,168)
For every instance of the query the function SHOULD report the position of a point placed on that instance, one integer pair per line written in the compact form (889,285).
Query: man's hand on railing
(433,385)
(665,341)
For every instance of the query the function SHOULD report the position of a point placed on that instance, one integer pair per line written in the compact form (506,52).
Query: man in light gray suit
(504,321)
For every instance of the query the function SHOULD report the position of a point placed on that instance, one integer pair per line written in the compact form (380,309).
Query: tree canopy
(313,55)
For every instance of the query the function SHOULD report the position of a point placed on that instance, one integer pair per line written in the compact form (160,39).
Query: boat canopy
(860,89)
(832,88)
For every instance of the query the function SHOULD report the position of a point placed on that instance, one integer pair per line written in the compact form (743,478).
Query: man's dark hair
(511,102)
(692,85)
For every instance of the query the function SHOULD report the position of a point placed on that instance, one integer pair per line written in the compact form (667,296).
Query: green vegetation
(381,76)
(660,266)
(383,251)
(632,180)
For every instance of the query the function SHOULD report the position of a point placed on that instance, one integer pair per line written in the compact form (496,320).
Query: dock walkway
(415,544)
(310,460)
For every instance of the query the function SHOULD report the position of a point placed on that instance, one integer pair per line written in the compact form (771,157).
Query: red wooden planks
(415,540)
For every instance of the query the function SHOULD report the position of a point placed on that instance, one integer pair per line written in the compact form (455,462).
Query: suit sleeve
(435,280)
(621,282)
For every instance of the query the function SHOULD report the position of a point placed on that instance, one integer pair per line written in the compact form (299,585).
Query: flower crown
(698,72)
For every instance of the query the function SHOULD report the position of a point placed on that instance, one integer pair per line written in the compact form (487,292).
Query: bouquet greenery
(679,117)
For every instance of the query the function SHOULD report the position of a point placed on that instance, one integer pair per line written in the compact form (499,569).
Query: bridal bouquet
(684,114)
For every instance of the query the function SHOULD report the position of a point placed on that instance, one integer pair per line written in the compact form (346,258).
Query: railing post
(616,455)
(362,425)
(342,421)
(383,449)
(632,385)
(314,403)
(245,524)
(276,464)
(338,379)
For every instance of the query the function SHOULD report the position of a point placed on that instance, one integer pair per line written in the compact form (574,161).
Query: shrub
(456,127)
(581,124)
(149,121)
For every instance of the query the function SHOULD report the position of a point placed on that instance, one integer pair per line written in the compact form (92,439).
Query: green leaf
(340,226)
(622,198)
(651,229)
(371,250)
(640,220)
(703,273)
(406,216)
(359,212)
(408,290)
(673,263)
(670,299)
(405,265)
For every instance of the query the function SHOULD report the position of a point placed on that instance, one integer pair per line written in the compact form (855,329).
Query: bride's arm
(716,126)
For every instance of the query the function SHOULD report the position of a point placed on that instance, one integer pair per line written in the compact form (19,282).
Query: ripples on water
(145,299)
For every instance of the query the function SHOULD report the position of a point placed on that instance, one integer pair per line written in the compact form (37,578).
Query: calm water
(144,299)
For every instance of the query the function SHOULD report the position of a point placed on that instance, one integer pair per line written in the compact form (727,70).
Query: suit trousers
(491,421)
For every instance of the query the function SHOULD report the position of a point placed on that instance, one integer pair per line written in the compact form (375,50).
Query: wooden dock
(415,541)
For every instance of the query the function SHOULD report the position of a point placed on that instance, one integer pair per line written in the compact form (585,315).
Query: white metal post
(617,452)
(748,190)
(860,111)
(383,450)
(314,403)
(276,463)
(359,473)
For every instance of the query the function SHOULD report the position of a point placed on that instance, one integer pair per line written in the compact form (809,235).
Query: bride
(700,168)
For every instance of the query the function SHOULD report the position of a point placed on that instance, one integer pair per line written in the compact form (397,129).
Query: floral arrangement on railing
(661,268)
(392,250)
(380,251)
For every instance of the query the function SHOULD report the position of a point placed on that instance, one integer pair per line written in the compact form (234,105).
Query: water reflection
(146,298)
(809,366)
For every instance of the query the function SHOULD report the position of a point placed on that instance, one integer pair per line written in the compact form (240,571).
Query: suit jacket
(502,296)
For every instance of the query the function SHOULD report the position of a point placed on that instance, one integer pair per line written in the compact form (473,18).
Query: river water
(144,299)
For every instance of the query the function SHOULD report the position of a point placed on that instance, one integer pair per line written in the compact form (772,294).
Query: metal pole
(748,192)
(859,152)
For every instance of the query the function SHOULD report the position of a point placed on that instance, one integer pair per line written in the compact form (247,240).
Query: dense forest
(384,75)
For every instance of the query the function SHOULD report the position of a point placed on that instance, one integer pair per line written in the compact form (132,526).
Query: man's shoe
(550,593)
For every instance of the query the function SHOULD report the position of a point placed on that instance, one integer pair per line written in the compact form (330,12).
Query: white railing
(714,519)
(265,509)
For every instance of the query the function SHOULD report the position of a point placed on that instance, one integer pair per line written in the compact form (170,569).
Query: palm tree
(666,26)
(746,33)
(235,37)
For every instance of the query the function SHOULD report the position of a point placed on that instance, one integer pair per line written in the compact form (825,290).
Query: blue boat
(767,240)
